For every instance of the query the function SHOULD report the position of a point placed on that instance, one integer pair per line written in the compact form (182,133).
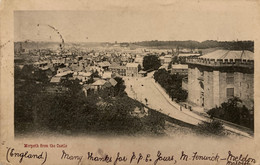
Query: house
(217,76)
(139,60)
(104,65)
(116,68)
(113,82)
(161,58)
(183,56)
(107,75)
(142,73)
(181,69)
(132,69)
(99,84)
(167,59)
(42,65)
(86,89)
(55,79)
(64,70)
(186,55)
(86,76)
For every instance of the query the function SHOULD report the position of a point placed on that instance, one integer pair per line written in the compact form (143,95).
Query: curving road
(144,87)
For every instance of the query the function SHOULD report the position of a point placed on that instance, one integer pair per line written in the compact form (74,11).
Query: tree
(119,88)
(151,62)
(172,84)
(213,127)
(232,111)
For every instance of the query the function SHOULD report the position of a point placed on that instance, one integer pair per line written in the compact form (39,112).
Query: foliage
(155,121)
(172,84)
(151,62)
(119,87)
(213,127)
(233,111)
(72,112)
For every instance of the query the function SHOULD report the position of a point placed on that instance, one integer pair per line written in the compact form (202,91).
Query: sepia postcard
(129,82)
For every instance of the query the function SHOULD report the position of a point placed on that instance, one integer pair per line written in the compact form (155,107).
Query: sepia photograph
(129,82)
(131,73)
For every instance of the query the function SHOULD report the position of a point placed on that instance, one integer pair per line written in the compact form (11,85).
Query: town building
(215,77)
(119,69)
(167,59)
(132,69)
(181,69)
(142,73)
(104,65)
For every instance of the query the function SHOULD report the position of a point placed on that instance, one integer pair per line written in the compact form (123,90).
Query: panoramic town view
(149,88)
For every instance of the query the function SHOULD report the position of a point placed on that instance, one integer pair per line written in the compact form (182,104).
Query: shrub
(213,127)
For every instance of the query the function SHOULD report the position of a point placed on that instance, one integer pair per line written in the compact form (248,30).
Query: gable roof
(64,69)
(104,64)
(55,79)
(99,83)
(106,75)
(113,82)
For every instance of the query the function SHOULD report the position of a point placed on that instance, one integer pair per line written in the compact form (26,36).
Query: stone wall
(215,87)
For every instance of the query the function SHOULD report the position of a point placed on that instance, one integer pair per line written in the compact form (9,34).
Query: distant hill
(53,45)
(231,45)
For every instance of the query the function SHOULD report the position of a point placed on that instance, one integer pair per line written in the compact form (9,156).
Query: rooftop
(179,66)
(113,82)
(229,54)
(225,58)
(188,54)
(55,79)
(99,83)
(132,65)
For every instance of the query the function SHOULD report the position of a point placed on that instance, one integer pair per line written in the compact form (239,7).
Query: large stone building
(215,77)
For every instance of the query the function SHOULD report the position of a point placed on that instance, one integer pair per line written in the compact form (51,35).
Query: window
(230,92)
(230,78)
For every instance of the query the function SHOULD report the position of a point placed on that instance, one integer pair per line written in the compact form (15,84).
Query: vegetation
(108,111)
(151,62)
(214,127)
(172,84)
(234,112)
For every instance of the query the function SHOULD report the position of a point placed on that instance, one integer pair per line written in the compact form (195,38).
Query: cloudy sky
(197,20)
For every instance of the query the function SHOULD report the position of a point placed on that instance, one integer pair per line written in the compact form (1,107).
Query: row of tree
(172,84)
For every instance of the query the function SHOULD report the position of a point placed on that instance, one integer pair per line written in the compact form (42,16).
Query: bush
(232,111)
(213,127)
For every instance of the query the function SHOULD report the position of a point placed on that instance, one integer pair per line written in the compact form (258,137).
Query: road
(141,88)
(144,87)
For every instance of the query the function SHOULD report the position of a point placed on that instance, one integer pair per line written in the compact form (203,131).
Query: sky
(130,23)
